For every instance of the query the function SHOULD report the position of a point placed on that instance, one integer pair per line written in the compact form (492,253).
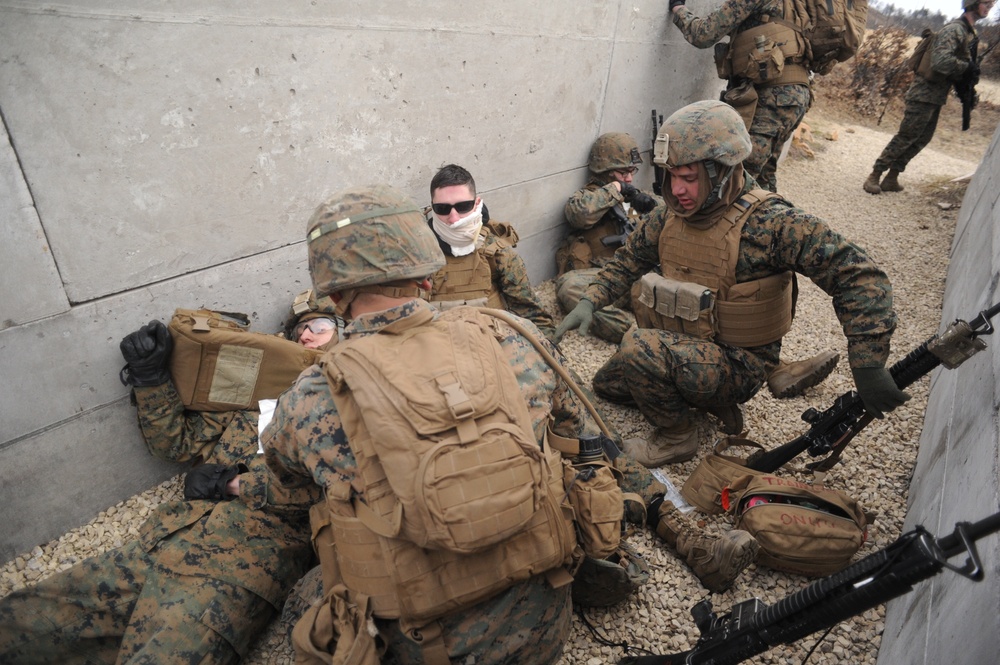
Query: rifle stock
(834,428)
(753,627)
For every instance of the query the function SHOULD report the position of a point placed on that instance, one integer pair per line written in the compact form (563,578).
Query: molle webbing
(786,36)
(748,314)
(449,437)
(606,228)
(466,280)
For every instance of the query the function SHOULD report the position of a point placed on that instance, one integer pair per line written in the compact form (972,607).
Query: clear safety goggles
(316,326)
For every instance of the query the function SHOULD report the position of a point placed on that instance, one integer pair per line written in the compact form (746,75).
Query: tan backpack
(217,364)
(716,471)
(801,528)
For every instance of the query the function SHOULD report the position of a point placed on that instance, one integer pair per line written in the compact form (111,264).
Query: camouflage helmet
(612,151)
(605,582)
(706,130)
(969,4)
(366,236)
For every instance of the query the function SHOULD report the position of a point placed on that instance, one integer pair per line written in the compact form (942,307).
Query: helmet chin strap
(719,176)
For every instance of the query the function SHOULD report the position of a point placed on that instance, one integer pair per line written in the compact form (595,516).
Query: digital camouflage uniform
(780,108)
(587,207)
(950,58)
(203,579)
(665,373)
(306,447)
(496,246)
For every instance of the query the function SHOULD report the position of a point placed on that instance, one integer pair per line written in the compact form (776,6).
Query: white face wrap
(461,235)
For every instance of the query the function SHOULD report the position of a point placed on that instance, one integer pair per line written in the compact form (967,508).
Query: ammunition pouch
(743,98)
(666,304)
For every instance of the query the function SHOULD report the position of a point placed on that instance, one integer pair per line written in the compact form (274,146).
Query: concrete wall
(950,619)
(162,155)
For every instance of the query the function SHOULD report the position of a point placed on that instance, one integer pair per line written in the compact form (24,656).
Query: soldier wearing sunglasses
(482,265)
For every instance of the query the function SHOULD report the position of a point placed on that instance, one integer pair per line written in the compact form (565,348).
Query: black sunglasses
(461,207)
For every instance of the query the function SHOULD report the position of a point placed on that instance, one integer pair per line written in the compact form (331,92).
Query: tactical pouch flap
(219,365)
(670,298)
(801,528)
(715,471)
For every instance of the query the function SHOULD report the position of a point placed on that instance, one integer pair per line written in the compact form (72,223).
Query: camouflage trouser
(915,131)
(780,109)
(119,607)
(665,374)
(610,322)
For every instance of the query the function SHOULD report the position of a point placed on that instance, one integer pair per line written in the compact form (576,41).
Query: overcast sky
(949,8)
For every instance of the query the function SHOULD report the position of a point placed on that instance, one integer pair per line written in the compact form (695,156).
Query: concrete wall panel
(32,289)
(43,491)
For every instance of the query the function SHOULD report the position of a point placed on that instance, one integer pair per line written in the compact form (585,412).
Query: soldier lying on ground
(205,575)
(482,268)
(713,347)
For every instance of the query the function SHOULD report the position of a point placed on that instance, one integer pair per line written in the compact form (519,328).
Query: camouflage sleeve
(947,51)
(173,433)
(588,205)
(783,237)
(705,32)
(511,277)
(635,258)
(305,446)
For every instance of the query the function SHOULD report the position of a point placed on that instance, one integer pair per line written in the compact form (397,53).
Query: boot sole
(797,387)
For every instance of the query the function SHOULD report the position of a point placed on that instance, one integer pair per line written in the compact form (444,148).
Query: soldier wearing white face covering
(482,266)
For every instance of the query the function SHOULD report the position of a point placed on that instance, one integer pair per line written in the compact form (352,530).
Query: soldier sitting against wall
(481,266)
(207,573)
(602,214)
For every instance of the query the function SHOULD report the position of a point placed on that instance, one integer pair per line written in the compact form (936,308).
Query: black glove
(643,202)
(147,354)
(877,390)
(676,3)
(208,481)
(628,191)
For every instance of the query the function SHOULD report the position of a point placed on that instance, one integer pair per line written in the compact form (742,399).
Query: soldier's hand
(209,481)
(628,191)
(147,354)
(581,317)
(643,203)
(878,390)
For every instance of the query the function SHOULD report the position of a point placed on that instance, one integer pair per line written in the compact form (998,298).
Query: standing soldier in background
(602,214)
(710,276)
(950,56)
(207,573)
(482,267)
(771,108)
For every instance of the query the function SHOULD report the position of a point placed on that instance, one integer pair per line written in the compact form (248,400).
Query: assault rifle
(965,87)
(752,627)
(657,169)
(834,428)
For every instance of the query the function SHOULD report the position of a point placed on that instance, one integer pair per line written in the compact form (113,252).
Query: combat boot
(891,182)
(663,446)
(792,379)
(730,417)
(871,184)
(715,559)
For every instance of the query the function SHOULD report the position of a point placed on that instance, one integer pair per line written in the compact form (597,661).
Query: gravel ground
(907,233)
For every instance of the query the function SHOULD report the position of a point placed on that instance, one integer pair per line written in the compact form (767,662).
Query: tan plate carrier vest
(430,536)
(747,314)
(468,280)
